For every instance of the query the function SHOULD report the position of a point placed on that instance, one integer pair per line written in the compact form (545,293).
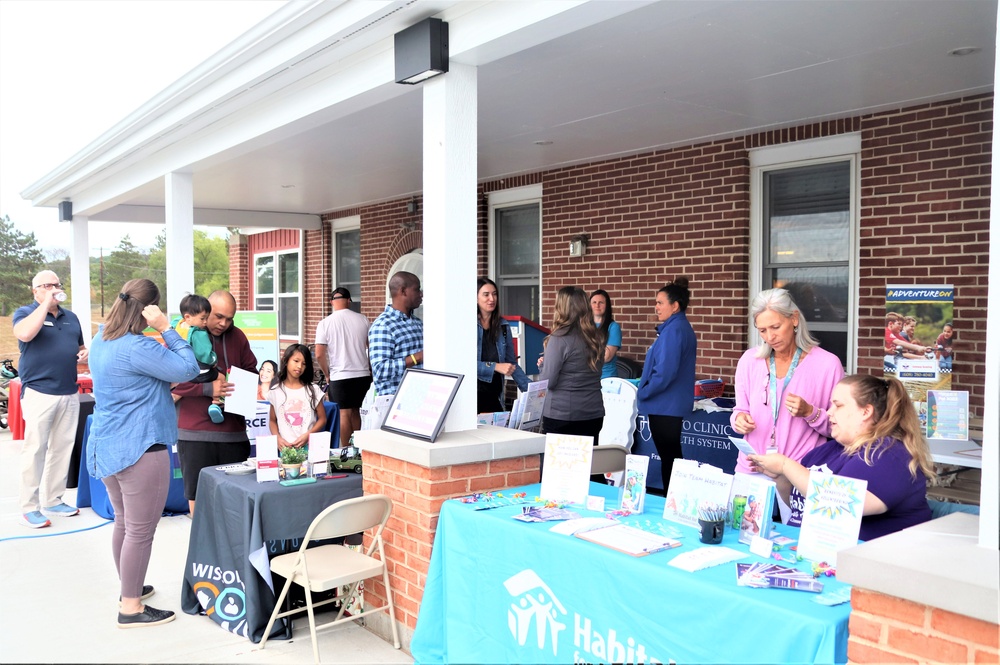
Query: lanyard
(772,386)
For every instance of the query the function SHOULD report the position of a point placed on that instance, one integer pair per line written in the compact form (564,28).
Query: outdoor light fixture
(421,51)
(65,211)
(578,245)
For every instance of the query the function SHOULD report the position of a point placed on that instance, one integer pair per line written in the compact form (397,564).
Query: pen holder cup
(711,532)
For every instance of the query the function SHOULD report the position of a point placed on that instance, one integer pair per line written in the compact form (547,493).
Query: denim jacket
(505,351)
(133,409)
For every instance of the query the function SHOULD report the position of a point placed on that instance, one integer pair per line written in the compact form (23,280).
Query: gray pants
(138,494)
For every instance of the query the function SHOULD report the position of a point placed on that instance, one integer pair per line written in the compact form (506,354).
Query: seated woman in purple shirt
(877,439)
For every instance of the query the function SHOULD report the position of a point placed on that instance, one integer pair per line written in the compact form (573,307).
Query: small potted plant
(291,461)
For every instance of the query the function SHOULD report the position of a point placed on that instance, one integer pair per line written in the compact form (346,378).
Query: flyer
(948,415)
(566,469)
(831,517)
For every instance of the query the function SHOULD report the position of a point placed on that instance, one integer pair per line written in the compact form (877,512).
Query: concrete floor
(59,599)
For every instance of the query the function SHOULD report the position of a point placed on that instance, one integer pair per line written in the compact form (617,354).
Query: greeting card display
(632,493)
(752,501)
(831,517)
(690,485)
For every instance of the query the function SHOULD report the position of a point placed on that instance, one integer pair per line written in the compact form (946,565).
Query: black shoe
(148,617)
(147,591)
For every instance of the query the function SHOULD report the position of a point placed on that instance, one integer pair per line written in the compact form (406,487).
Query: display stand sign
(261,329)
(267,459)
(831,517)
(532,403)
(566,469)
(319,452)
(948,415)
(690,485)
(421,403)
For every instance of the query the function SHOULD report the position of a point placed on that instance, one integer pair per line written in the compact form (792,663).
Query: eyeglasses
(48,286)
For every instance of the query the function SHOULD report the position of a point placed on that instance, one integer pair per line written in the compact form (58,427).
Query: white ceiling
(664,74)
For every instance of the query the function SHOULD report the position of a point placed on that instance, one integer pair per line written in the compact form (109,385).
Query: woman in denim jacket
(496,357)
(134,422)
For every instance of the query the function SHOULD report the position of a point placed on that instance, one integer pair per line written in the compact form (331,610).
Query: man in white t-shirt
(342,352)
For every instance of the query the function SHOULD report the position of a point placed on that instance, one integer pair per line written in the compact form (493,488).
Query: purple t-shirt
(888,478)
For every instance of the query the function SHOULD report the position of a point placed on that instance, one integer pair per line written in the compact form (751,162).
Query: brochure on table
(633,490)
(691,484)
(566,470)
(319,452)
(267,458)
(531,404)
(948,415)
(831,517)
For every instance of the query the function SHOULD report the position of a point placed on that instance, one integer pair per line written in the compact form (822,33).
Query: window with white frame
(277,287)
(515,250)
(347,258)
(804,201)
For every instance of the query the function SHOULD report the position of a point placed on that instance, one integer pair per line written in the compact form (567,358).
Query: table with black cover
(238,525)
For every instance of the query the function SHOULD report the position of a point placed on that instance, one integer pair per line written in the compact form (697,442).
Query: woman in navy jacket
(666,390)
(496,357)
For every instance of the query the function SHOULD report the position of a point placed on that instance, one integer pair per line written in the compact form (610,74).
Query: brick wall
(925,174)
(317,265)
(239,274)
(885,629)
(417,493)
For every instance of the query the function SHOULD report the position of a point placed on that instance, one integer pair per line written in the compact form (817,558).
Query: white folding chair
(326,567)
(608,459)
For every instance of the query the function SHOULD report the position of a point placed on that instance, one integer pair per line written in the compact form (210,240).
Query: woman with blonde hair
(783,385)
(877,438)
(574,357)
(134,424)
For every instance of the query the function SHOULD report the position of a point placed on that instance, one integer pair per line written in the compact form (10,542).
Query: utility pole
(102,282)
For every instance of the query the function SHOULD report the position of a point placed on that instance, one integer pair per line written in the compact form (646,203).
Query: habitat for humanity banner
(919,328)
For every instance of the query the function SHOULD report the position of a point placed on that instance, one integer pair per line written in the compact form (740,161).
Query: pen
(339,475)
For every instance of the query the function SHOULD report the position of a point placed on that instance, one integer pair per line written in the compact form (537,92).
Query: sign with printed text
(831,517)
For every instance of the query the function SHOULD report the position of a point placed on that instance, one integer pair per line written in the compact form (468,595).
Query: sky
(72,69)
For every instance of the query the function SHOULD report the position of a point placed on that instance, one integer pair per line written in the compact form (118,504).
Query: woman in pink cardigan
(783,386)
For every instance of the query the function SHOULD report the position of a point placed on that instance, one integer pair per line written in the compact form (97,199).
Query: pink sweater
(818,372)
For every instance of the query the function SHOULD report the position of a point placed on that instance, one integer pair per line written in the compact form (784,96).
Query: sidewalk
(59,598)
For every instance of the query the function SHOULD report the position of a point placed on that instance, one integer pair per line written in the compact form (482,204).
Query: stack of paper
(705,557)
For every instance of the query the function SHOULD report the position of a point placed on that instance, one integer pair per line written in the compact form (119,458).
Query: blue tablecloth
(92,493)
(499,590)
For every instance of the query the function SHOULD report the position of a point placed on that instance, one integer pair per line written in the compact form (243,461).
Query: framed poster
(421,402)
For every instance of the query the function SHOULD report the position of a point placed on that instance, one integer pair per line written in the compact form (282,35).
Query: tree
(124,263)
(211,263)
(20,260)
(57,260)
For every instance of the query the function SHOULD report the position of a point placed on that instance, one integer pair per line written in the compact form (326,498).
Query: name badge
(49,324)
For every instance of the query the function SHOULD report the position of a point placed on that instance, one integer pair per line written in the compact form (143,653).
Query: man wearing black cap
(342,352)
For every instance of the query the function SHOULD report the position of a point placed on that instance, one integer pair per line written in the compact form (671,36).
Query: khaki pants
(49,433)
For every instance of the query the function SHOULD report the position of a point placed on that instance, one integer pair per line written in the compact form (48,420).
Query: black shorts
(349,393)
(196,455)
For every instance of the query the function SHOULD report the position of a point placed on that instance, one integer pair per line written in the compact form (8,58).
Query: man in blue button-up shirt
(396,337)
(51,344)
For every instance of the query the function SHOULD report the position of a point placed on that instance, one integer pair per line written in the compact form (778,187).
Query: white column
(179,197)
(79,265)
(989,515)
(450,167)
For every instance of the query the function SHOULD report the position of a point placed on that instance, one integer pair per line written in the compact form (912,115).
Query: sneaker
(147,591)
(215,413)
(61,510)
(148,617)
(34,520)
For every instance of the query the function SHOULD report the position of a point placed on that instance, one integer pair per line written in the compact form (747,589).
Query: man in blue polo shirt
(51,344)
(396,337)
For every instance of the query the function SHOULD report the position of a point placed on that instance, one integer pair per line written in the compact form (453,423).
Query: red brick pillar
(885,629)
(417,493)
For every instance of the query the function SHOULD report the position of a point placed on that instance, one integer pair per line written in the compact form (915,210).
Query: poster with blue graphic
(948,415)
(831,518)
